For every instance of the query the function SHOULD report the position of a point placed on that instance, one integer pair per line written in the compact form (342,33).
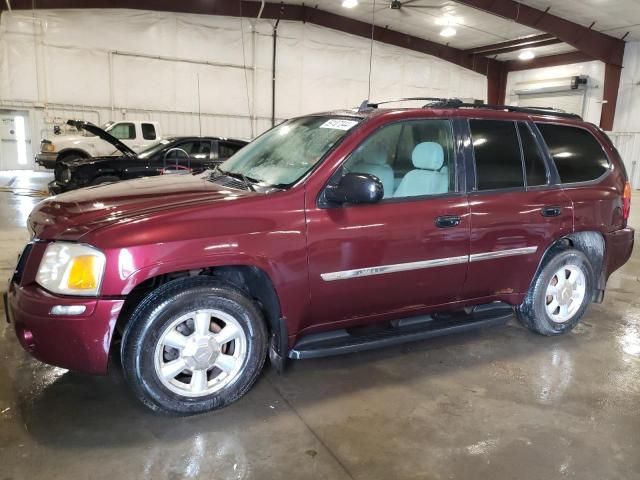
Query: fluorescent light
(448,32)
(527,55)
(349,3)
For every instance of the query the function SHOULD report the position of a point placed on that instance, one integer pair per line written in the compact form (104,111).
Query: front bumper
(79,342)
(47,160)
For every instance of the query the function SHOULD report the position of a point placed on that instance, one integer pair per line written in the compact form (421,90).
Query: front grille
(22,260)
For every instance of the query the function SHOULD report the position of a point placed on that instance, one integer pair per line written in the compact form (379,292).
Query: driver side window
(411,158)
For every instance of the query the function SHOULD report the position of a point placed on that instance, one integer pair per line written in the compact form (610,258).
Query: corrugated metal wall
(628,144)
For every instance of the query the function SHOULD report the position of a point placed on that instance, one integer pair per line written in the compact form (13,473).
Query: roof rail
(457,103)
(366,105)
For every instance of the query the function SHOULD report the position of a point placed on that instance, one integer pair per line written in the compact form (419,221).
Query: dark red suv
(330,233)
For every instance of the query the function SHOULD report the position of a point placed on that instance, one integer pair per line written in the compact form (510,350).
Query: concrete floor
(499,404)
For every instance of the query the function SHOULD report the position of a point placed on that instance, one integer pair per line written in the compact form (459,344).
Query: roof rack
(366,105)
(457,103)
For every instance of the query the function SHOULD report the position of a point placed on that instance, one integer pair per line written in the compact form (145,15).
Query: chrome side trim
(400,267)
(437,262)
(478,257)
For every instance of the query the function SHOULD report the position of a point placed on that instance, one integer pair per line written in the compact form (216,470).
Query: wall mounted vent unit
(553,85)
(565,93)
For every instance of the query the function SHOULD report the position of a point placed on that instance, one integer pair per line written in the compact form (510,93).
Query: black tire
(104,179)
(157,311)
(533,314)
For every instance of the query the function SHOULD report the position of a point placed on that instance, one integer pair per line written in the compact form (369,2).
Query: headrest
(428,156)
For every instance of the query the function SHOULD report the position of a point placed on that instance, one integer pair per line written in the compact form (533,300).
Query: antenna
(199,105)
(373,20)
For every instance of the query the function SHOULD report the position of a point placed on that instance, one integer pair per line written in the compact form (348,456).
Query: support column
(496,82)
(612,75)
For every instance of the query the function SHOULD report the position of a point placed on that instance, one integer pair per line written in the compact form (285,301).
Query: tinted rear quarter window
(497,154)
(577,154)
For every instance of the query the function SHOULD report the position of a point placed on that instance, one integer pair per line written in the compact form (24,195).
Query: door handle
(447,221)
(551,211)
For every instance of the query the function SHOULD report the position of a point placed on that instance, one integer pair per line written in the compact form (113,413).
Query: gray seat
(430,176)
(376,164)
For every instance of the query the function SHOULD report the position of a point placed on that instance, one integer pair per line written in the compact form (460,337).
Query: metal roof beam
(595,44)
(520,42)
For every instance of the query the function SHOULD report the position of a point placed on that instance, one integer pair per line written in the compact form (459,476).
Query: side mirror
(355,188)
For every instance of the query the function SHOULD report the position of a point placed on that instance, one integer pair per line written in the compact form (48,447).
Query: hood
(103,134)
(71,215)
(75,163)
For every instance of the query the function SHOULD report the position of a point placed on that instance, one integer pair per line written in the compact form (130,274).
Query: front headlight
(71,269)
(47,147)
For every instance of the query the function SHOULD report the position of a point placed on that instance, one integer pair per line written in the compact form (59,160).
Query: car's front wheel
(560,293)
(193,345)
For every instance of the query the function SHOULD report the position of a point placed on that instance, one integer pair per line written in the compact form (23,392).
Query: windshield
(284,154)
(155,148)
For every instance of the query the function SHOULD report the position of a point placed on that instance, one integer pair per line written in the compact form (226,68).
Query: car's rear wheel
(559,294)
(194,345)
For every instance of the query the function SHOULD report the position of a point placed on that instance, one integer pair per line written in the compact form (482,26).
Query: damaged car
(169,156)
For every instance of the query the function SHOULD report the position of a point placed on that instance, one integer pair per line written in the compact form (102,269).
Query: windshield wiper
(246,180)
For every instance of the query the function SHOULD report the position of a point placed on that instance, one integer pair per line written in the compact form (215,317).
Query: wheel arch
(252,280)
(592,244)
(72,151)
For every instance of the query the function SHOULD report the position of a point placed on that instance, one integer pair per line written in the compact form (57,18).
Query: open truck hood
(103,134)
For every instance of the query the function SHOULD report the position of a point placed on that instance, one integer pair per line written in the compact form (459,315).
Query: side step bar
(338,342)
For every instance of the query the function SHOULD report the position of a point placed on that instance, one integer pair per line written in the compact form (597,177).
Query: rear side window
(497,154)
(148,131)
(534,164)
(577,154)
(226,150)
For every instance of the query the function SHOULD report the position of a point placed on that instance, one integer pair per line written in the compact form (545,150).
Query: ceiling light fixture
(448,20)
(349,3)
(448,32)
(527,55)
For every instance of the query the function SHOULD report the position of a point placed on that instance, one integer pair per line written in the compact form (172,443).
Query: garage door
(570,102)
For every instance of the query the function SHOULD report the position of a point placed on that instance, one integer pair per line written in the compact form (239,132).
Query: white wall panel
(628,145)
(102,65)
(628,108)
(18,79)
(75,74)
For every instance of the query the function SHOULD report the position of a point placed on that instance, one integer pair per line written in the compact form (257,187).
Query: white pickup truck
(136,134)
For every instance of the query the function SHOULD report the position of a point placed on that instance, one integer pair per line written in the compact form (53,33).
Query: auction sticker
(338,124)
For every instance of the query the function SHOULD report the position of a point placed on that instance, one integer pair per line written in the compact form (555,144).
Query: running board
(338,342)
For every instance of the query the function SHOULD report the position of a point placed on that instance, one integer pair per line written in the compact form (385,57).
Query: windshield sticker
(338,124)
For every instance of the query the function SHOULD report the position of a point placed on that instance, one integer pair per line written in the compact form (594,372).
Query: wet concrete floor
(502,403)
